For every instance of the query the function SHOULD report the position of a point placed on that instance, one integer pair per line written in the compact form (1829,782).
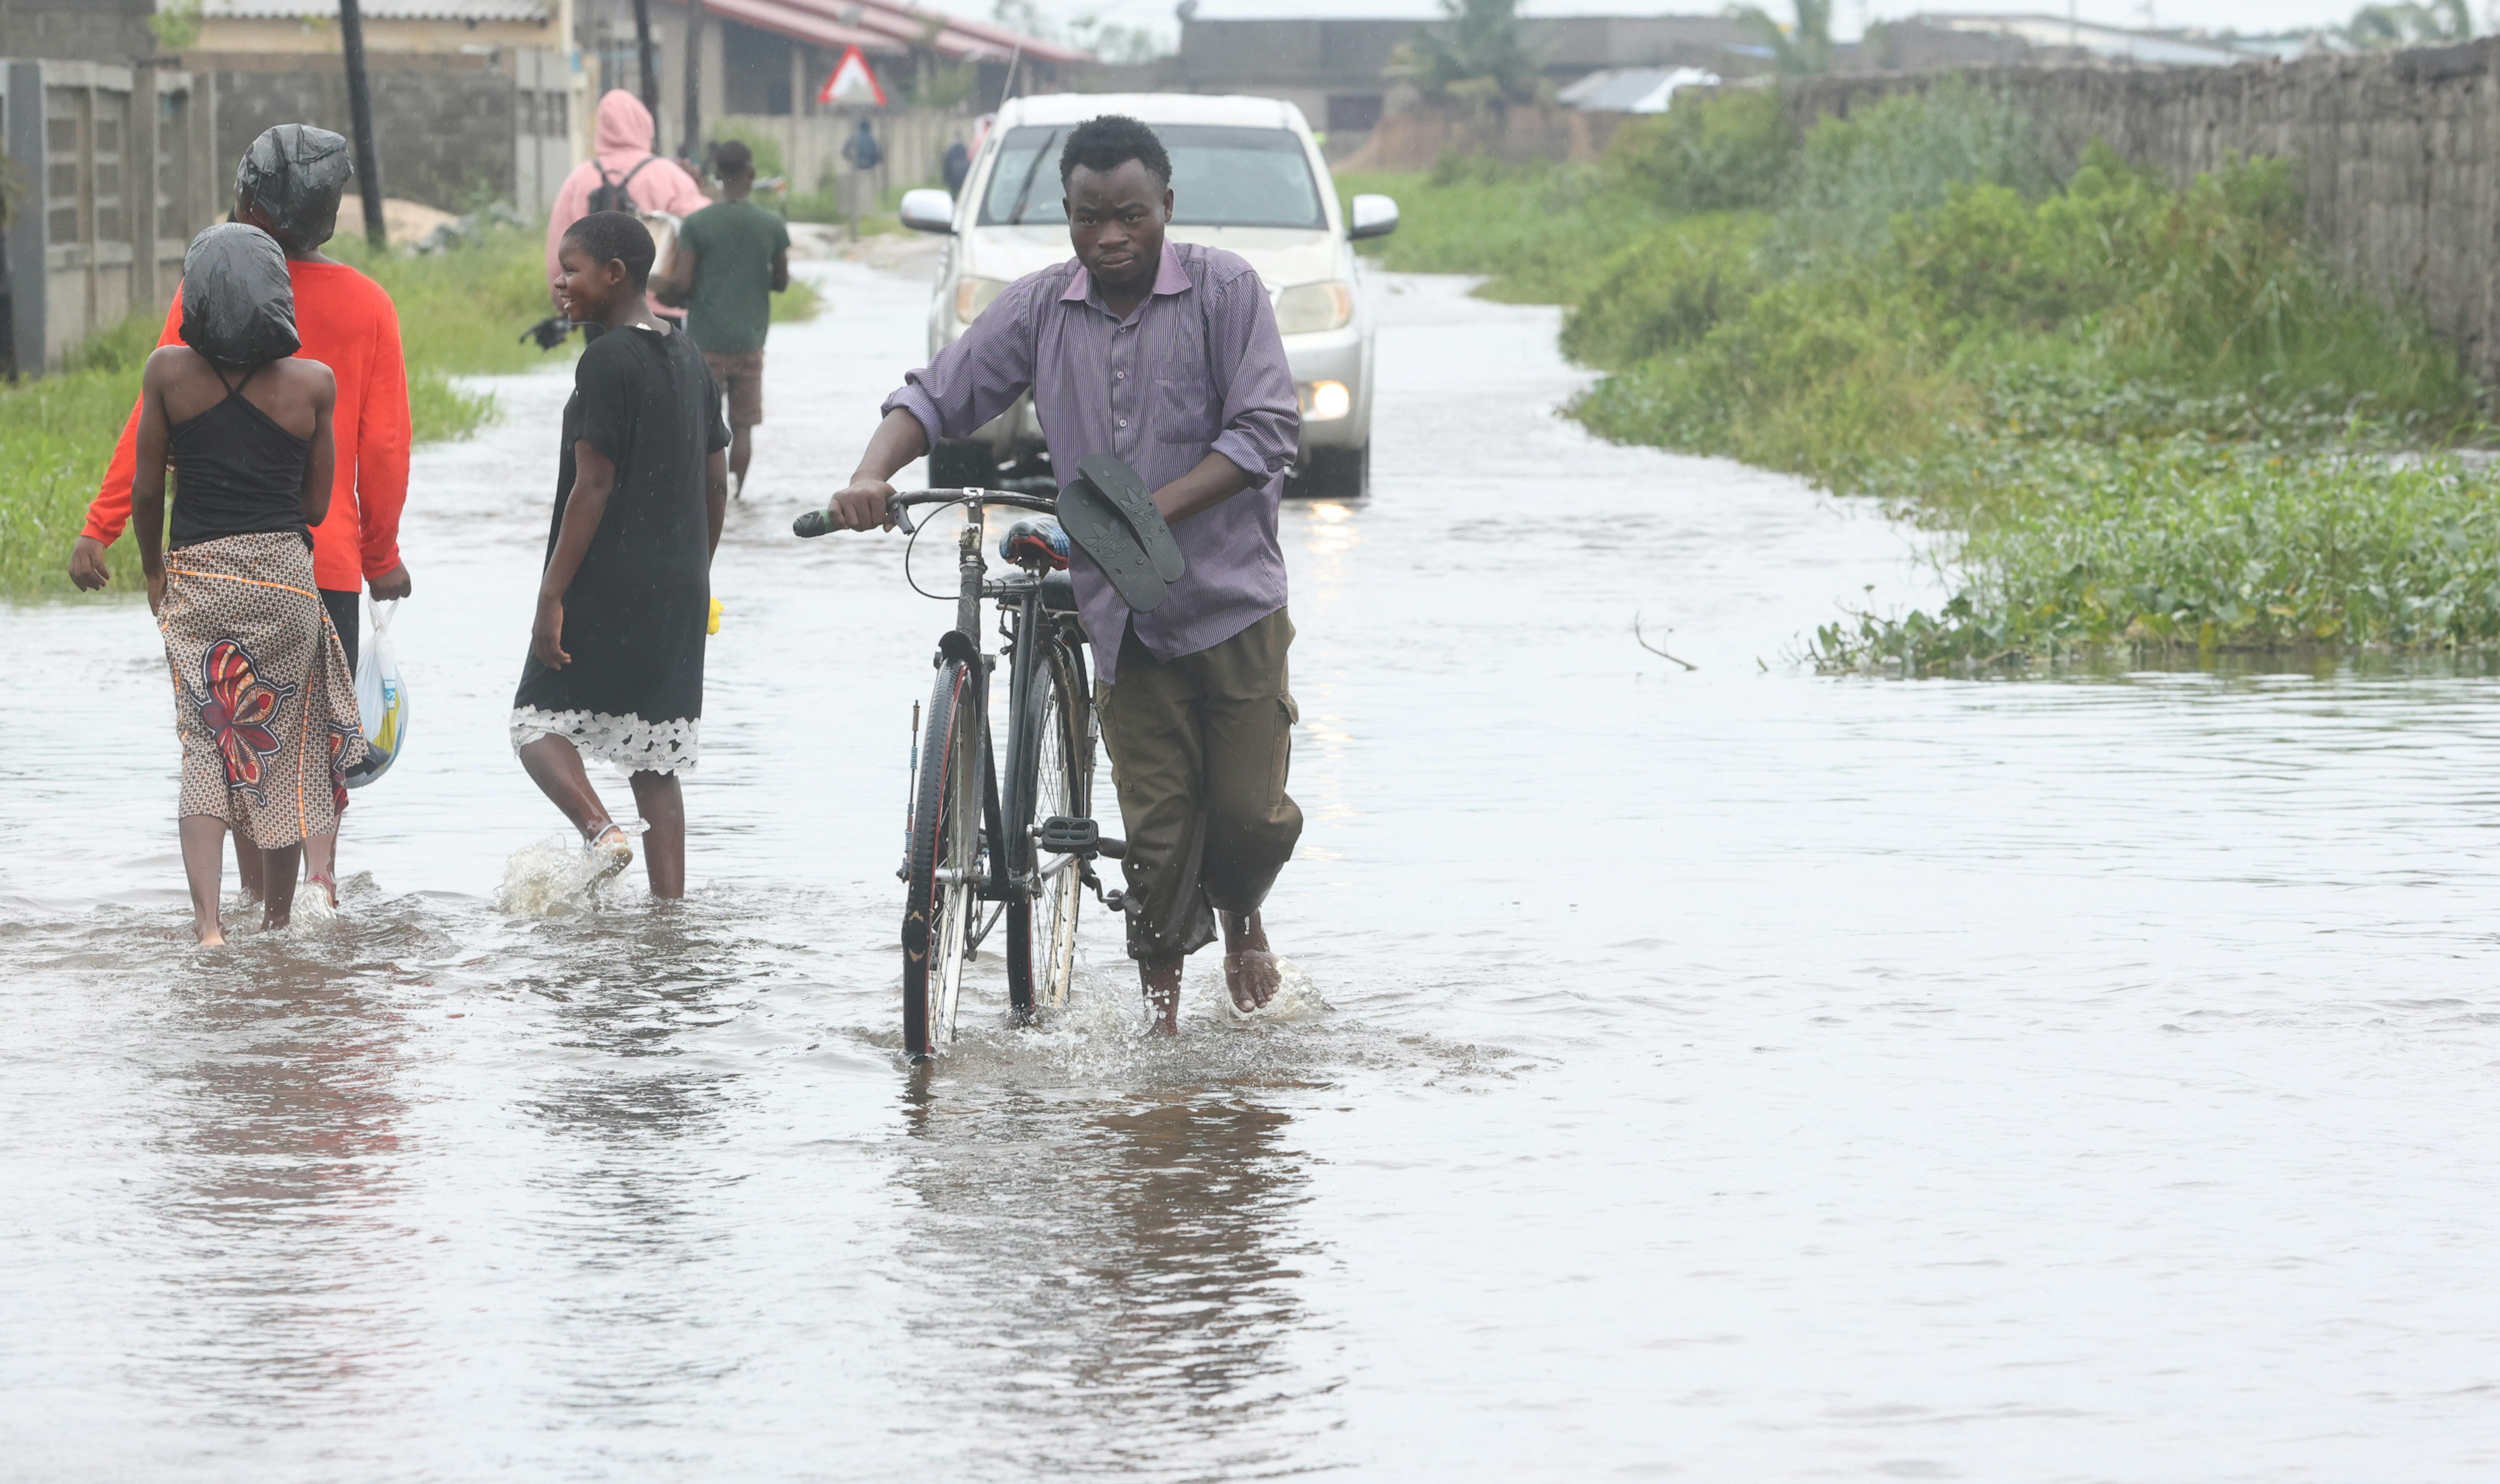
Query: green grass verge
(1539,234)
(2141,415)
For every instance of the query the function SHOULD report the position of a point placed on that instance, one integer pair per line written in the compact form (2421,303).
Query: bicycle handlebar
(817,523)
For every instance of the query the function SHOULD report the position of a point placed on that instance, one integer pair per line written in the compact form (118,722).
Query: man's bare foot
(210,934)
(1250,973)
(1162,984)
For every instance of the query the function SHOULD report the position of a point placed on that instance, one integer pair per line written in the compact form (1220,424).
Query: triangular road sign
(852,82)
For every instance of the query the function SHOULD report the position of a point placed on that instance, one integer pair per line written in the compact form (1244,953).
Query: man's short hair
(731,157)
(1110,141)
(616,237)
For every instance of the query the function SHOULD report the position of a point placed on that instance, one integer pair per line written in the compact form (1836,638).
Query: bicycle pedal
(1068,835)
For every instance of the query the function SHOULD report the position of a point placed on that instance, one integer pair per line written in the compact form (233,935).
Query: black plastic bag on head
(292,175)
(238,304)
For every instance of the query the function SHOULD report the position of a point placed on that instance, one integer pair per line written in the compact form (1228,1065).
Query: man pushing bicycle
(1165,356)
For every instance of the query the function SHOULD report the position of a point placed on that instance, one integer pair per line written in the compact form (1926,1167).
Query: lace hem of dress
(628,741)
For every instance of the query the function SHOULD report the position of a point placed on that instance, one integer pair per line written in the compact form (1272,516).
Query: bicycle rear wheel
(1053,775)
(945,863)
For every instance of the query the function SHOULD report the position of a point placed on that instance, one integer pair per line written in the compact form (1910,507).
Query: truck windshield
(1221,177)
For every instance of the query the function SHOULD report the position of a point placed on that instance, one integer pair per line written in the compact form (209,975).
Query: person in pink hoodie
(623,156)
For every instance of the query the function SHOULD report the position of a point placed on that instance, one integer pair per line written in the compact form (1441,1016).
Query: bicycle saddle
(1110,517)
(1036,545)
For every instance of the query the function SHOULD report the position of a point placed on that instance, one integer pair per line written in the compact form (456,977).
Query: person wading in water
(732,257)
(1165,356)
(288,185)
(263,700)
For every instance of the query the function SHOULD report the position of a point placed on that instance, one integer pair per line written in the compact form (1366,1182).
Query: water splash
(553,879)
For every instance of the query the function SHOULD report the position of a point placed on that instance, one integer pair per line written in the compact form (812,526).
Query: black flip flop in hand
(1109,515)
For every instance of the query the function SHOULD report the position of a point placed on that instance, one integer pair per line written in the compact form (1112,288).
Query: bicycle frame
(1031,630)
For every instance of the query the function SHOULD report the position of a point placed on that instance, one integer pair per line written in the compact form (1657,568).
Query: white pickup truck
(1248,178)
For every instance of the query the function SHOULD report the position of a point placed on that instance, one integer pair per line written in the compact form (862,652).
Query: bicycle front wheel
(1053,775)
(944,868)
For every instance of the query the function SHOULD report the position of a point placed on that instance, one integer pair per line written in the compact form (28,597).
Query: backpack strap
(626,186)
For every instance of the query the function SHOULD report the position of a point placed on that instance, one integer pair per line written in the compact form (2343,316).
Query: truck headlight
(1325,402)
(972,296)
(1309,308)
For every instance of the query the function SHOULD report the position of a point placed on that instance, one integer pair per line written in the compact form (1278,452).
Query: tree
(1476,51)
(2407,23)
(1805,47)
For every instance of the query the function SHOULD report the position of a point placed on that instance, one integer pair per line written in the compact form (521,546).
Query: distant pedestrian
(731,258)
(288,185)
(957,167)
(627,175)
(862,149)
(263,700)
(615,667)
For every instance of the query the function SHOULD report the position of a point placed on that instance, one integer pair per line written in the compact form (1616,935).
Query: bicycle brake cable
(914,541)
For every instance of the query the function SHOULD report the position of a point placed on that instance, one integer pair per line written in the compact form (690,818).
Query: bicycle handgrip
(812,523)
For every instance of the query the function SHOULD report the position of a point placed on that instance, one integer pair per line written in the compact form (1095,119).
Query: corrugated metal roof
(904,25)
(784,19)
(1634,89)
(380,10)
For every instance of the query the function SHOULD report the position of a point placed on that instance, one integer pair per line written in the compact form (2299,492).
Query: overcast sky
(2249,16)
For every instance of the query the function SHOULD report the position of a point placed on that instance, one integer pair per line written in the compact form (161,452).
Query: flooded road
(1726,1075)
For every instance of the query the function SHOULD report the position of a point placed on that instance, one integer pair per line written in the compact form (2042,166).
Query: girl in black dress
(616,653)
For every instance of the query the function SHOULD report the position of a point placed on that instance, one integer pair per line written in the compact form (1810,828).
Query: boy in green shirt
(731,257)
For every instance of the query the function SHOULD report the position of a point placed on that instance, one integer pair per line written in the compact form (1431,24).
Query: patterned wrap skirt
(262,697)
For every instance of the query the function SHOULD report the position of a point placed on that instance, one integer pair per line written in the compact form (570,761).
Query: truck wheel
(1332,473)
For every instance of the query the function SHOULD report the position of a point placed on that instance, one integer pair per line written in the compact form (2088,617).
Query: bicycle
(1022,842)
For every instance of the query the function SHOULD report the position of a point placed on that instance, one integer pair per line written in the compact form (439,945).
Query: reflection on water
(1734,1074)
(1136,1258)
(280,1134)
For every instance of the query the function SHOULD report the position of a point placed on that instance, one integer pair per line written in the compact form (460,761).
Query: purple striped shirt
(1196,368)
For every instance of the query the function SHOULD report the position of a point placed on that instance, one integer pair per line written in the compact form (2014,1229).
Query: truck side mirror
(1373,216)
(929,209)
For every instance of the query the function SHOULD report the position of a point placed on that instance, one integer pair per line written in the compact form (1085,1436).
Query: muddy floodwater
(1725,1075)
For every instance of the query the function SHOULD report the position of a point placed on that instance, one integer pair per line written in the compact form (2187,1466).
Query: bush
(1667,291)
(2188,545)
(1907,154)
(1728,149)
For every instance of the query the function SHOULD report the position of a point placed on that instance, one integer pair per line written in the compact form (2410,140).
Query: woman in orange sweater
(288,185)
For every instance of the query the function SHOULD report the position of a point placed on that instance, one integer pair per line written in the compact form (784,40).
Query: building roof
(890,26)
(2154,48)
(803,23)
(527,11)
(1634,89)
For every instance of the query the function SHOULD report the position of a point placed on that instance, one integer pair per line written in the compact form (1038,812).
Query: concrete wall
(914,142)
(1418,138)
(454,131)
(2401,153)
(109,167)
(112,31)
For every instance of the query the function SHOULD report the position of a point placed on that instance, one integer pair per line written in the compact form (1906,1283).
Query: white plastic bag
(381,696)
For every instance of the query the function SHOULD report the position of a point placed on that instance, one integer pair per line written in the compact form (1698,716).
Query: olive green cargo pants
(1200,747)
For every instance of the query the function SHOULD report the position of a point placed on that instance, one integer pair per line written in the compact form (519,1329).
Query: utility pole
(650,67)
(360,117)
(694,79)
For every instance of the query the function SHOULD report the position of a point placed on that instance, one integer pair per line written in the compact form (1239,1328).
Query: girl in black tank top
(263,702)
(237,473)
